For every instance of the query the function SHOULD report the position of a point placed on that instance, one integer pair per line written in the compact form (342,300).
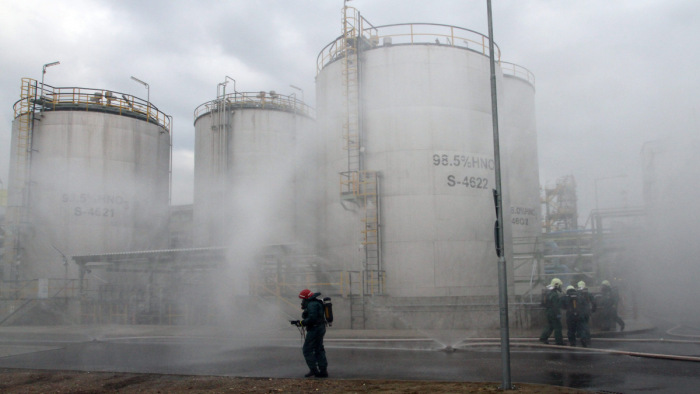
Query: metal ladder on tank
(351,135)
(357,300)
(364,186)
(220,128)
(358,185)
(17,207)
(351,98)
(368,187)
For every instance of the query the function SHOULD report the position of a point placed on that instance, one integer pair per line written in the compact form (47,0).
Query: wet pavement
(366,354)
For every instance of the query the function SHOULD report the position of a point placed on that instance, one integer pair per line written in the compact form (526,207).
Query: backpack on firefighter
(328,310)
(574,303)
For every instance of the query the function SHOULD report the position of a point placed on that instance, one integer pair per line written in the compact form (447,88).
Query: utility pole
(498,198)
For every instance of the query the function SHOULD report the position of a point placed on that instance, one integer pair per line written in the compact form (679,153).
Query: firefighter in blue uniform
(552,304)
(314,321)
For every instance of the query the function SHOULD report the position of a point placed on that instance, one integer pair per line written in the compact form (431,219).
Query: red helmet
(306,294)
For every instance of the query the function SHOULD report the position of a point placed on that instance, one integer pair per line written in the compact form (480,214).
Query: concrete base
(432,313)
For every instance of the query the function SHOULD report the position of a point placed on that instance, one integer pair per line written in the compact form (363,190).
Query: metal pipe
(659,340)
(597,350)
(148,88)
(299,89)
(170,172)
(148,97)
(43,71)
(234,83)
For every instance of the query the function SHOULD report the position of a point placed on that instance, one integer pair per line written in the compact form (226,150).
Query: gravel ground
(37,381)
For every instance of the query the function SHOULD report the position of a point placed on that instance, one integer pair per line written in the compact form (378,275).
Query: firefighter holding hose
(314,321)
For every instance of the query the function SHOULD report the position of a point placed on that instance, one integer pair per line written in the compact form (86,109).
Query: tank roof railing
(517,71)
(97,100)
(261,99)
(410,34)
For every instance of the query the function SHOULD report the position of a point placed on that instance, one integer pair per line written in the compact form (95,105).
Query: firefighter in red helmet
(313,320)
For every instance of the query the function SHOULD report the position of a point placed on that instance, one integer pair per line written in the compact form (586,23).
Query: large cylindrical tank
(518,133)
(426,127)
(253,179)
(666,250)
(519,149)
(98,168)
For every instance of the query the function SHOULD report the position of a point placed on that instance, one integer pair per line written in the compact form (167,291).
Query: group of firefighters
(579,304)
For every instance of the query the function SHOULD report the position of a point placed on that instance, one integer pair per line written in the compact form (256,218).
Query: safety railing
(168,313)
(375,281)
(356,184)
(99,100)
(32,289)
(518,71)
(408,34)
(263,100)
(289,284)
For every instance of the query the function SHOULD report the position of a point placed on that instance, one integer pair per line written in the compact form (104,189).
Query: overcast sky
(611,75)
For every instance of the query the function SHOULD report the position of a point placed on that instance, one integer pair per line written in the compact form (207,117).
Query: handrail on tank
(267,100)
(518,72)
(102,100)
(410,34)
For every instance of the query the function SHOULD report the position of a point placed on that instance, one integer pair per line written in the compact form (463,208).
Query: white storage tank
(425,126)
(518,133)
(253,163)
(667,250)
(519,149)
(90,174)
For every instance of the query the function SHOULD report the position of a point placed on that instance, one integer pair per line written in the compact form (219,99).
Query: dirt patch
(30,381)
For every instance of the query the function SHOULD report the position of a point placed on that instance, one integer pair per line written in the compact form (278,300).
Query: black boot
(323,373)
(312,373)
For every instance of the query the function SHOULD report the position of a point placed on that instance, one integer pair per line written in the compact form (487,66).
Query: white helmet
(556,282)
(581,285)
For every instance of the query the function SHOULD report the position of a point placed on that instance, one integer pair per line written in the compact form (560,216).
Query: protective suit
(315,323)
(574,304)
(553,313)
(589,306)
(609,300)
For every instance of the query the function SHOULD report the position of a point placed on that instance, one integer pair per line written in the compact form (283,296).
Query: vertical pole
(82,279)
(502,277)
(595,189)
(170,172)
